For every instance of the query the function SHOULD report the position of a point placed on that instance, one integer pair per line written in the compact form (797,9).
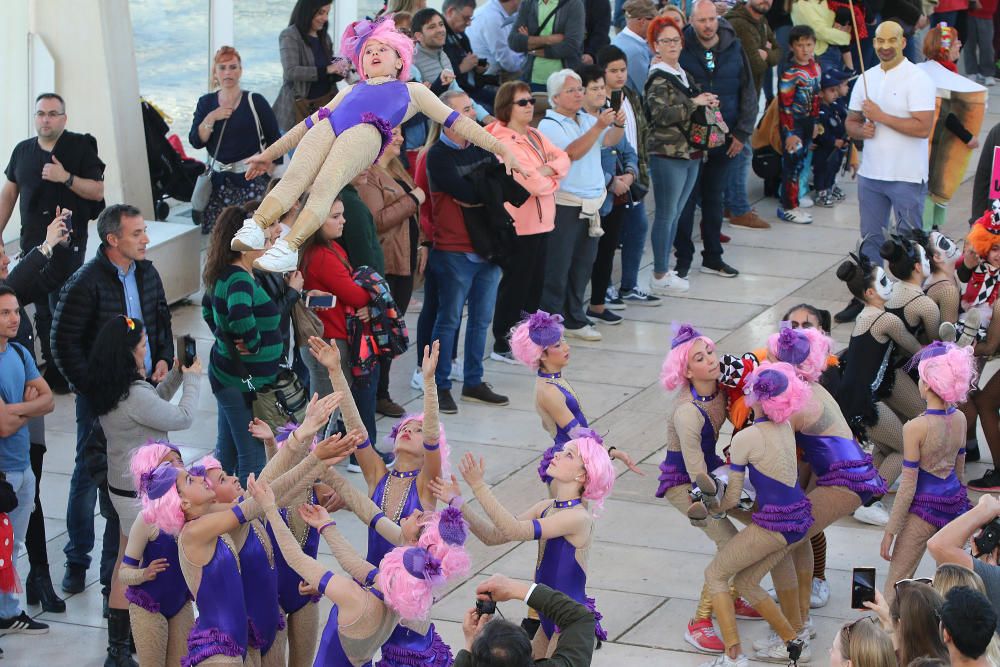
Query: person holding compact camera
(500,643)
(982,525)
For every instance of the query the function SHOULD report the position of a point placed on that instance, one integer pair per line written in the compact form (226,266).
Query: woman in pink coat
(521,286)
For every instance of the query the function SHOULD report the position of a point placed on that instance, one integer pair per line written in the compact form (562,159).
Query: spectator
(633,43)
(460,274)
(948,546)
(458,48)
(502,644)
(894,124)
(762,51)
(394,200)
(798,109)
(132,412)
(712,55)
(118,281)
(58,168)
(596,29)
(674,12)
(912,620)
(571,250)
(830,145)
(33,277)
(308,69)
(979,54)
(285,290)
(520,289)
(620,166)
(25,395)
(671,97)
(634,223)
(247,347)
(551,34)
(779,19)
(968,624)
(253,127)
(984,172)
(817,15)
(949,576)
(862,643)
(488,35)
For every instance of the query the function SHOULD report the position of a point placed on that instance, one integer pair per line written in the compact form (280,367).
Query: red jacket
(325,268)
(985,10)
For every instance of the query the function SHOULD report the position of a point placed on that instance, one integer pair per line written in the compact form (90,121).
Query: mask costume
(979,284)
(347,136)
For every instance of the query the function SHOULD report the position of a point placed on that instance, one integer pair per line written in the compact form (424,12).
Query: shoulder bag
(202,192)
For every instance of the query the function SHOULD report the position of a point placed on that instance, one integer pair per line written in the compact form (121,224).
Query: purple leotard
(562,432)
(260,590)
(167,594)
(383,105)
(937,501)
(781,508)
(840,461)
(673,472)
(288,579)
(221,628)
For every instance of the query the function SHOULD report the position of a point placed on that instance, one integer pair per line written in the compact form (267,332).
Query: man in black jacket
(118,282)
(503,644)
(464,62)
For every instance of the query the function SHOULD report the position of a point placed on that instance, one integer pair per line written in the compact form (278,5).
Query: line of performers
(247,558)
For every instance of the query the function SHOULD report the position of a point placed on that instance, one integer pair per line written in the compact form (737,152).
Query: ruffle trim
(141,598)
(794,518)
(203,644)
(671,475)
(257,640)
(599,631)
(438,654)
(940,510)
(859,476)
(547,457)
(384,128)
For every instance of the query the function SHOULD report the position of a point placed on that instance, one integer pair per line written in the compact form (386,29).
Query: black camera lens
(485,607)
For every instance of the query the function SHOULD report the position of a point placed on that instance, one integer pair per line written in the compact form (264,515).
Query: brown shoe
(749,220)
(388,407)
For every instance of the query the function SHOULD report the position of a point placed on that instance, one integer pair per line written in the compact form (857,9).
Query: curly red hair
(980,238)
(657,25)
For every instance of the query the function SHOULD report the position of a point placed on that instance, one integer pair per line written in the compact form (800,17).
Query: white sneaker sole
(499,357)
(572,333)
(701,649)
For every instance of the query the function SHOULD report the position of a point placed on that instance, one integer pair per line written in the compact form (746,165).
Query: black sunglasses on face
(525,102)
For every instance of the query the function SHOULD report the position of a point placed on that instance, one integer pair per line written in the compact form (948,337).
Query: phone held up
(862,587)
(616,100)
(187,350)
(321,301)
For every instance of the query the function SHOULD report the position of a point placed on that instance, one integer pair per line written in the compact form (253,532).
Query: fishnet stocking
(303,630)
(151,634)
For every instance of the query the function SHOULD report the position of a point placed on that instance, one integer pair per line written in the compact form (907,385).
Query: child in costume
(831,143)
(932,487)
(160,610)
(346,137)
(941,286)
(798,108)
(979,270)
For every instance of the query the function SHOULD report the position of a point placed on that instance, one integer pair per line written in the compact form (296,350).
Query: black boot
(119,654)
(106,604)
(849,313)
(38,589)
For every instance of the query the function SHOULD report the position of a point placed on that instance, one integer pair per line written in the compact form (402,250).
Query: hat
(639,9)
(833,77)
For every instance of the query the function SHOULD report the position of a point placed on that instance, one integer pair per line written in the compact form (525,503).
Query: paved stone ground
(647,562)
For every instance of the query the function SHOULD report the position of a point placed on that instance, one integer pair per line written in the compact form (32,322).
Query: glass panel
(257,26)
(171,53)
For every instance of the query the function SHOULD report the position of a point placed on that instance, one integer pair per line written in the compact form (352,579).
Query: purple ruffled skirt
(860,476)
(435,654)
(599,631)
(939,511)
(673,473)
(207,642)
(141,598)
(792,521)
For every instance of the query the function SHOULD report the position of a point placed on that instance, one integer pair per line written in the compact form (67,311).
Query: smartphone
(187,350)
(68,221)
(616,100)
(862,587)
(321,301)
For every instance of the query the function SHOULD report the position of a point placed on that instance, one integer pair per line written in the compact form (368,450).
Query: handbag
(707,130)
(305,324)
(278,403)
(307,106)
(202,192)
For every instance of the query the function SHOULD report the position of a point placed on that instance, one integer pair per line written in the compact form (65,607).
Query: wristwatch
(69,181)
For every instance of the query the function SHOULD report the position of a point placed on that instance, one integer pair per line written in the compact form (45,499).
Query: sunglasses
(527,102)
(907,582)
(846,630)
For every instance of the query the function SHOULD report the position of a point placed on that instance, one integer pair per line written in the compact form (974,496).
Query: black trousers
(38,555)
(600,276)
(520,287)
(401,288)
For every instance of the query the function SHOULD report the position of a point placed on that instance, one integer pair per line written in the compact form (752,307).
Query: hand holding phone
(862,587)
(616,100)
(187,350)
(316,301)
(68,221)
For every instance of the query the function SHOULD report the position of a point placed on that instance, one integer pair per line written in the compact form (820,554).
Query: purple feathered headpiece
(285,431)
(545,329)
(451,526)
(422,565)
(683,334)
(793,346)
(935,349)
(578,432)
(155,483)
(766,385)
(197,470)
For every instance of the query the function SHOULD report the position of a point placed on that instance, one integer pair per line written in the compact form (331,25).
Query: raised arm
(349,559)
(297,445)
(948,544)
(431,469)
(484,530)
(363,507)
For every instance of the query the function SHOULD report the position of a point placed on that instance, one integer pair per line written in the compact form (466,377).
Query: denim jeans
(673,180)
(568,263)
(23,482)
(877,199)
(633,242)
(427,317)
(735,197)
(238,451)
(460,280)
(714,170)
(83,495)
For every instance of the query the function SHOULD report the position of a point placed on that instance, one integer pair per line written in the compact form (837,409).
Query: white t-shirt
(891,155)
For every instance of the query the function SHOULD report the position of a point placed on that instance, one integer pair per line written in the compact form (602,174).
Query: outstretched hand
(444,490)
(619,455)
(430,362)
(258,164)
(512,164)
(314,515)
(324,353)
(472,472)
(319,410)
(260,491)
(260,430)
(336,448)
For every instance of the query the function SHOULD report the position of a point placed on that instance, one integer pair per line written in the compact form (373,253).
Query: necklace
(934,411)
(562,504)
(703,399)
(551,376)
(405,474)
(408,481)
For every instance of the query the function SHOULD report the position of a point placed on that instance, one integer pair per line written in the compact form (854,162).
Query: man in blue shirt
(632,41)
(23,395)
(491,25)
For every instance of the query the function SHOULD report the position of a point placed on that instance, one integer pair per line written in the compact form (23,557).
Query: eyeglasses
(573,91)
(527,102)
(50,114)
(669,41)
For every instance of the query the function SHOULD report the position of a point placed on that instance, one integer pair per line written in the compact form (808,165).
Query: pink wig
(674,371)
(409,596)
(148,457)
(817,358)
(164,512)
(778,390)
(454,559)
(949,374)
(600,471)
(207,463)
(525,350)
(530,337)
(442,440)
(383,29)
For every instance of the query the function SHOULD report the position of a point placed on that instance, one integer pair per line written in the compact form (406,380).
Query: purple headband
(155,483)
(544,329)
(197,471)
(793,346)
(285,431)
(578,432)
(422,565)
(684,333)
(394,431)
(451,526)
(935,349)
(168,445)
(767,385)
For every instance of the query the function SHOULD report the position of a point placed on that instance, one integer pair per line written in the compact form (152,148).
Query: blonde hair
(866,643)
(949,576)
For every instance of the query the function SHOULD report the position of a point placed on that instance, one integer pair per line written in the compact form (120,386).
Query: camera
(485,607)
(187,350)
(988,538)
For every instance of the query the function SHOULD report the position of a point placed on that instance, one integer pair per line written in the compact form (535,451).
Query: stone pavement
(647,563)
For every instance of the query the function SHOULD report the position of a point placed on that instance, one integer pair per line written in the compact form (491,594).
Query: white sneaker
(772,639)
(820,594)
(725,661)
(808,629)
(280,258)
(585,333)
(779,653)
(661,285)
(677,283)
(979,78)
(249,237)
(507,358)
(874,515)
(806,202)
(796,215)
(457,370)
(989,81)
(417,380)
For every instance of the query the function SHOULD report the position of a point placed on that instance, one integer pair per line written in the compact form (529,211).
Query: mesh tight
(907,551)
(887,435)
(945,294)
(885,326)
(918,308)
(905,397)
(303,630)
(276,656)
(160,642)
(818,542)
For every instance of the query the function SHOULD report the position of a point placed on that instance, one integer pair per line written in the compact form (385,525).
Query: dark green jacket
(576,639)
(640,131)
(360,238)
(754,35)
